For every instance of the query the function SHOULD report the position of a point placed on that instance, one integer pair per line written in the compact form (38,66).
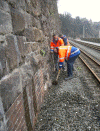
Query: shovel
(55,82)
(53,62)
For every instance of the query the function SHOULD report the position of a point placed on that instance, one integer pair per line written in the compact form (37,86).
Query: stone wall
(26,28)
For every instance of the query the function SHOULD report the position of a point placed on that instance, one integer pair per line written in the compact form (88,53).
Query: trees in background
(77,27)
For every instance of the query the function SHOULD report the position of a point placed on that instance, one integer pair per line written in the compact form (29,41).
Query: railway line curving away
(89,50)
(89,60)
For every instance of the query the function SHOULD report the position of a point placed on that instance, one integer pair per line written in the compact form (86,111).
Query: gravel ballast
(72,105)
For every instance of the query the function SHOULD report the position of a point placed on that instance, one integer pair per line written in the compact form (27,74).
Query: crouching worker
(69,54)
(56,42)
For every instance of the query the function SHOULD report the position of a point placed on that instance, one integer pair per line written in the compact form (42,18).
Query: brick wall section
(21,115)
(15,116)
(39,88)
(23,112)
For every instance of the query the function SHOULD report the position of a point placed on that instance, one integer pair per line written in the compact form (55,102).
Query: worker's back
(65,39)
(63,52)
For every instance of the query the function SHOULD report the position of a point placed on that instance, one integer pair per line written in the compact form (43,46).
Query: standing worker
(68,53)
(56,42)
(65,39)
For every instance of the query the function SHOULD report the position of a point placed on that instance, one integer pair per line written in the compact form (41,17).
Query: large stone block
(27,74)
(43,18)
(46,28)
(28,18)
(35,60)
(17,3)
(29,34)
(12,1)
(3,61)
(26,48)
(32,58)
(18,21)
(45,8)
(5,22)
(10,87)
(3,40)
(36,22)
(33,7)
(23,48)
(38,34)
(12,52)
(3,69)
(4,6)
(2,120)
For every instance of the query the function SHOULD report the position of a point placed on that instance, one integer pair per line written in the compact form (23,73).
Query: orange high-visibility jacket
(53,44)
(65,39)
(64,53)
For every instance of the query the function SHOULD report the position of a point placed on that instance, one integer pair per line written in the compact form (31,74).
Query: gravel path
(71,105)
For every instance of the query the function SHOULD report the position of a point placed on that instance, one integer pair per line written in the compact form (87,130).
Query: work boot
(68,78)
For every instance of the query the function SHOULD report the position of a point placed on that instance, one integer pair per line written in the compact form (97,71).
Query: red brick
(13,106)
(18,125)
(18,114)
(23,127)
(14,117)
(39,101)
(37,95)
(19,117)
(38,90)
(15,112)
(9,125)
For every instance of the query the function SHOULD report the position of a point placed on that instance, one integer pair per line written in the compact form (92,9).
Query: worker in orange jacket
(65,39)
(56,42)
(66,42)
(68,53)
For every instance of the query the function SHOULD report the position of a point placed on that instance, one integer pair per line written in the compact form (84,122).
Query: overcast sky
(89,9)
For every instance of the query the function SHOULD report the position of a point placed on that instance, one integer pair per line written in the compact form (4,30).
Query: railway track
(96,47)
(92,64)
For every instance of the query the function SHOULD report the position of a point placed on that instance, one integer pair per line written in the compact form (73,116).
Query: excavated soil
(72,105)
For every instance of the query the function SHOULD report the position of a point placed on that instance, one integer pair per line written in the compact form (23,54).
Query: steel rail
(90,57)
(90,69)
(86,56)
(96,47)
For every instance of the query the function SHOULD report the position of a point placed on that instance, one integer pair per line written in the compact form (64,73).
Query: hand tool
(55,82)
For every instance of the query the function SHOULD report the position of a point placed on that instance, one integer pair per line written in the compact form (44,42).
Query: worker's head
(56,49)
(61,35)
(55,37)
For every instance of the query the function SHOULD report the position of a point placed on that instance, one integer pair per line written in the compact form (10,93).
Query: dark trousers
(70,63)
